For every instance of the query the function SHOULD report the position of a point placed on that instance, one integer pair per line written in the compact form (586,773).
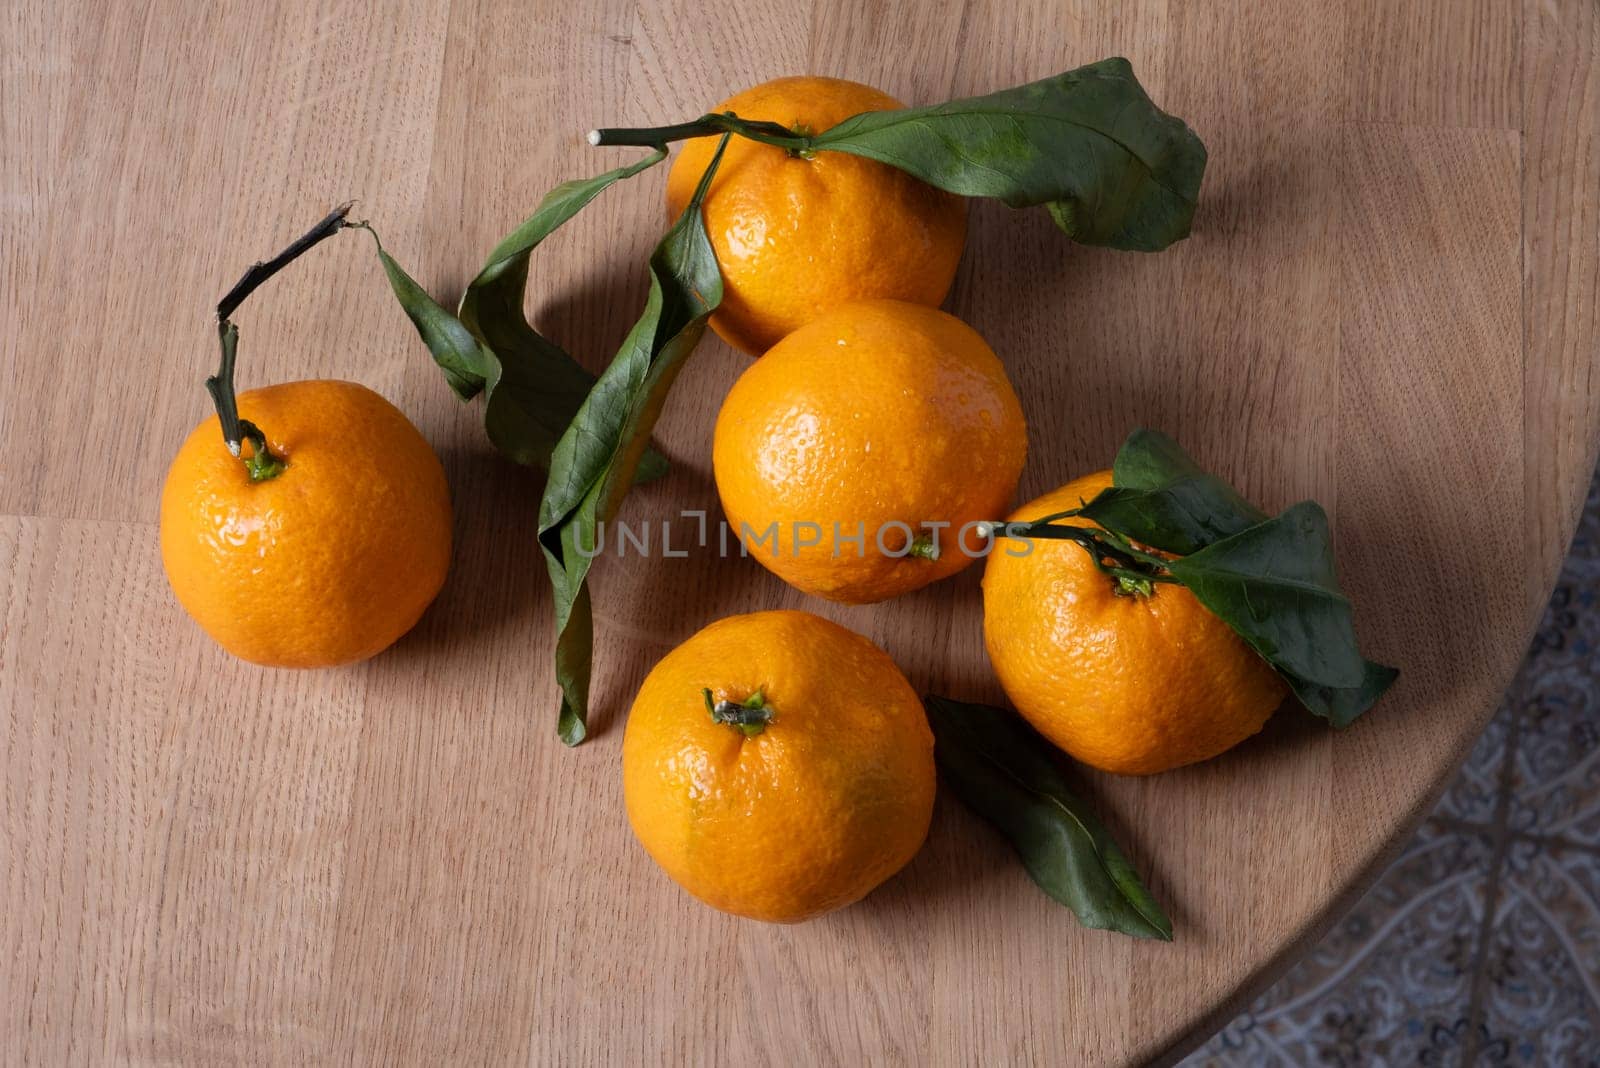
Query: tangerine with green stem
(1123,669)
(778,766)
(306,524)
(795,233)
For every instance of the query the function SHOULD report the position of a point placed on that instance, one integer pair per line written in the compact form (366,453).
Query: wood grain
(1389,303)
(1434,64)
(1561,272)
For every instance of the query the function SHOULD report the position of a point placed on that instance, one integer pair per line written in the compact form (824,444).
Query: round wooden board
(1388,304)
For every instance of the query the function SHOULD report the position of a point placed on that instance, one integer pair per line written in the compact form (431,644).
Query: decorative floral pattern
(1391,981)
(1481,945)
(1543,989)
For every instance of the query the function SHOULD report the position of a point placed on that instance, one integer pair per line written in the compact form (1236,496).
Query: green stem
(1132,570)
(767,133)
(750,716)
(1055,517)
(698,199)
(1130,549)
(262,463)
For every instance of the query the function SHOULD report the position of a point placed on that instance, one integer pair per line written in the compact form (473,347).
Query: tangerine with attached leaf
(778,766)
(796,236)
(1127,682)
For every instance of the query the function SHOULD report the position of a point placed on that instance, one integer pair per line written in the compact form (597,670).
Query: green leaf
(465,362)
(1003,770)
(1275,585)
(532,388)
(1161,498)
(1271,580)
(1113,168)
(598,455)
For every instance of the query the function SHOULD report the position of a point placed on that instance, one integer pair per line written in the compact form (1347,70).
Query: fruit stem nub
(750,716)
(262,463)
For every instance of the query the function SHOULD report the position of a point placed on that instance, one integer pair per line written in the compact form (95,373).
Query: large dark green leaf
(1275,585)
(1160,497)
(597,456)
(1003,770)
(1113,168)
(532,388)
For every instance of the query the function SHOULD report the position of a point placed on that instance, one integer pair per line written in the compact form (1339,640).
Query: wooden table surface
(1389,303)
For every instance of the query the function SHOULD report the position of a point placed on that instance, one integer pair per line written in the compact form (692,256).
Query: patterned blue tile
(1390,984)
(1557,769)
(1542,964)
(1394,982)
(1556,775)
(1472,796)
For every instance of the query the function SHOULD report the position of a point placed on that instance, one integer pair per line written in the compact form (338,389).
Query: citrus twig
(1134,570)
(767,133)
(262,463)
(262,270)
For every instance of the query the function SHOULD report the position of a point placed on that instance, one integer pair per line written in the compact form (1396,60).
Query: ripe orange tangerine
(797,236)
